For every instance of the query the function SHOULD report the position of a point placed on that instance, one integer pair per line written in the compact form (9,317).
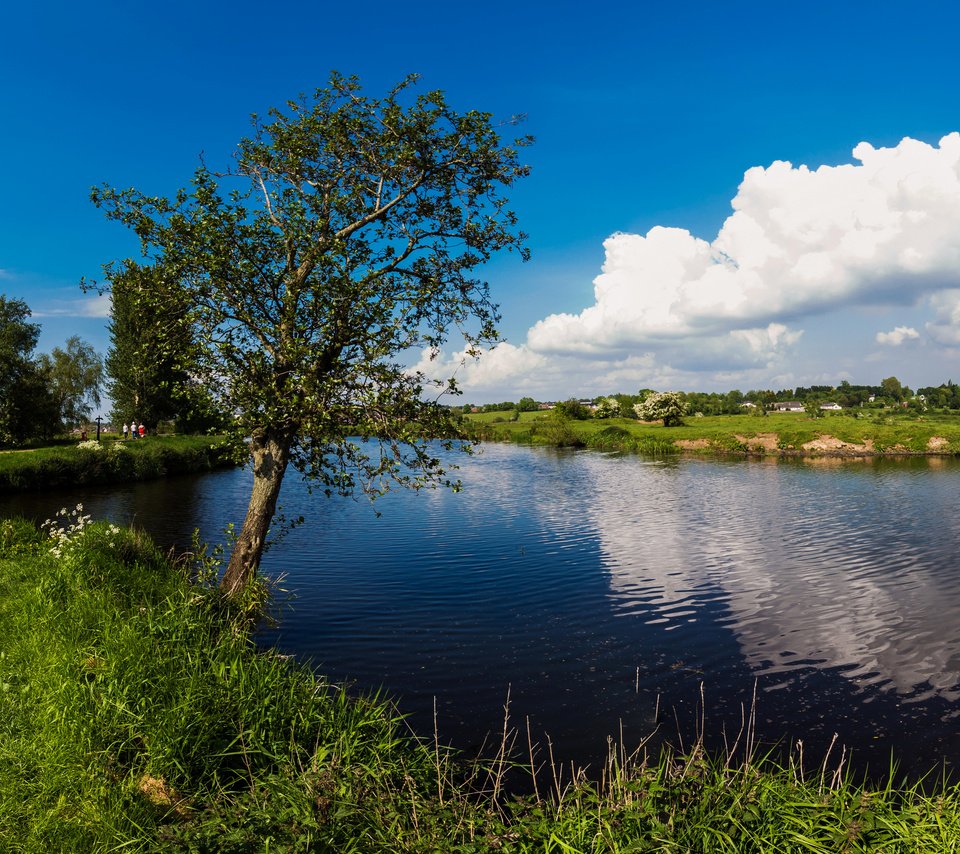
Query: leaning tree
(341,241)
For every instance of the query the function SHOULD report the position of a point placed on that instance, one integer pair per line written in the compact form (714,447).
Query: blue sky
(647,117)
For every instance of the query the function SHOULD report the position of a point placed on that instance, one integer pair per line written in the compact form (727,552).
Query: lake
(602,590)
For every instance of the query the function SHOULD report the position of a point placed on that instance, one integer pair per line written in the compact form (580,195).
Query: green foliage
(17,537)
(668,406)
(150,351)
(572,408)
(557,429)
(141,711)
(615,438)
(74,377)
(41,395)
(607,407)
(344,235)
(944,396)
(812,408)
(27,409)
(893,389)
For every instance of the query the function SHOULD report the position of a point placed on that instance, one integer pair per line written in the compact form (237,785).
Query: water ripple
(594,584)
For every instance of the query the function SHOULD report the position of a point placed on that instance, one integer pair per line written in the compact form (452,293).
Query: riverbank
(136,714)
(776,434)
(112,461)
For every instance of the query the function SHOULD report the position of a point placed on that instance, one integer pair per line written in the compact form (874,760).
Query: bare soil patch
(767,442)
(831,444)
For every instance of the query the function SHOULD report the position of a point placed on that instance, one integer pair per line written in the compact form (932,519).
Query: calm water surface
(596,588)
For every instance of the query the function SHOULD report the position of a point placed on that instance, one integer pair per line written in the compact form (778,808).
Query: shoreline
(825,446)
(122,742)
(789,436)
(112,461)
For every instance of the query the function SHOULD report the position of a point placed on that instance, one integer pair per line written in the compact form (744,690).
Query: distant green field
(878,432)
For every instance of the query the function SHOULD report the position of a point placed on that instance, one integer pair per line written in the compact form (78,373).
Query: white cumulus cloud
(878,233)
(505,363)
(799,242)
(895,337)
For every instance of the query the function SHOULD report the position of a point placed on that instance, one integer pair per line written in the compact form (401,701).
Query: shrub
(667,406)
(607,407)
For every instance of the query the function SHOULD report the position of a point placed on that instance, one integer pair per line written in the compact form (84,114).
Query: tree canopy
(341,241)
(607,407)
(27,408)
(150,350)
(74,377)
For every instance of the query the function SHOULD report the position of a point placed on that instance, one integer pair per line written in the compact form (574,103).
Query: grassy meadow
(137,715)
(111,461)
(868,432)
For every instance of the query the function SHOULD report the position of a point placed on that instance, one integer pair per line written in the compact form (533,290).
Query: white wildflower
(65,528)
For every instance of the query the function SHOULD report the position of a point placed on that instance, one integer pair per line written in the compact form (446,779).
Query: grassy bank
(136,715)
(783,434)
(111,461)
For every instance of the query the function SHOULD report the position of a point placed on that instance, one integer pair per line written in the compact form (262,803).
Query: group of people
(136,432)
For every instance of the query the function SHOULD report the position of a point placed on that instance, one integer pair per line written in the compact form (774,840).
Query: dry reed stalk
(731,752)
(557,778)
(506,747)
(823,765)
(751,740)
(533,767)
(837,778)
(436,753)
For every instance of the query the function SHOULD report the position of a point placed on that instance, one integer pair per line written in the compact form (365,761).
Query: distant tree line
(42,395)
(889,392)
(48,394)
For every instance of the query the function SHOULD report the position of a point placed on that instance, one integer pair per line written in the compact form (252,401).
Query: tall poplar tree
(342,240)
(150,352)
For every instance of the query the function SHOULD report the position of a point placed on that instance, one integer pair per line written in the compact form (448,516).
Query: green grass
(114,461)
(786,433)
(136,715)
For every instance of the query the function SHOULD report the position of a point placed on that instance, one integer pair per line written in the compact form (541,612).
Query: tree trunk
(270,450)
